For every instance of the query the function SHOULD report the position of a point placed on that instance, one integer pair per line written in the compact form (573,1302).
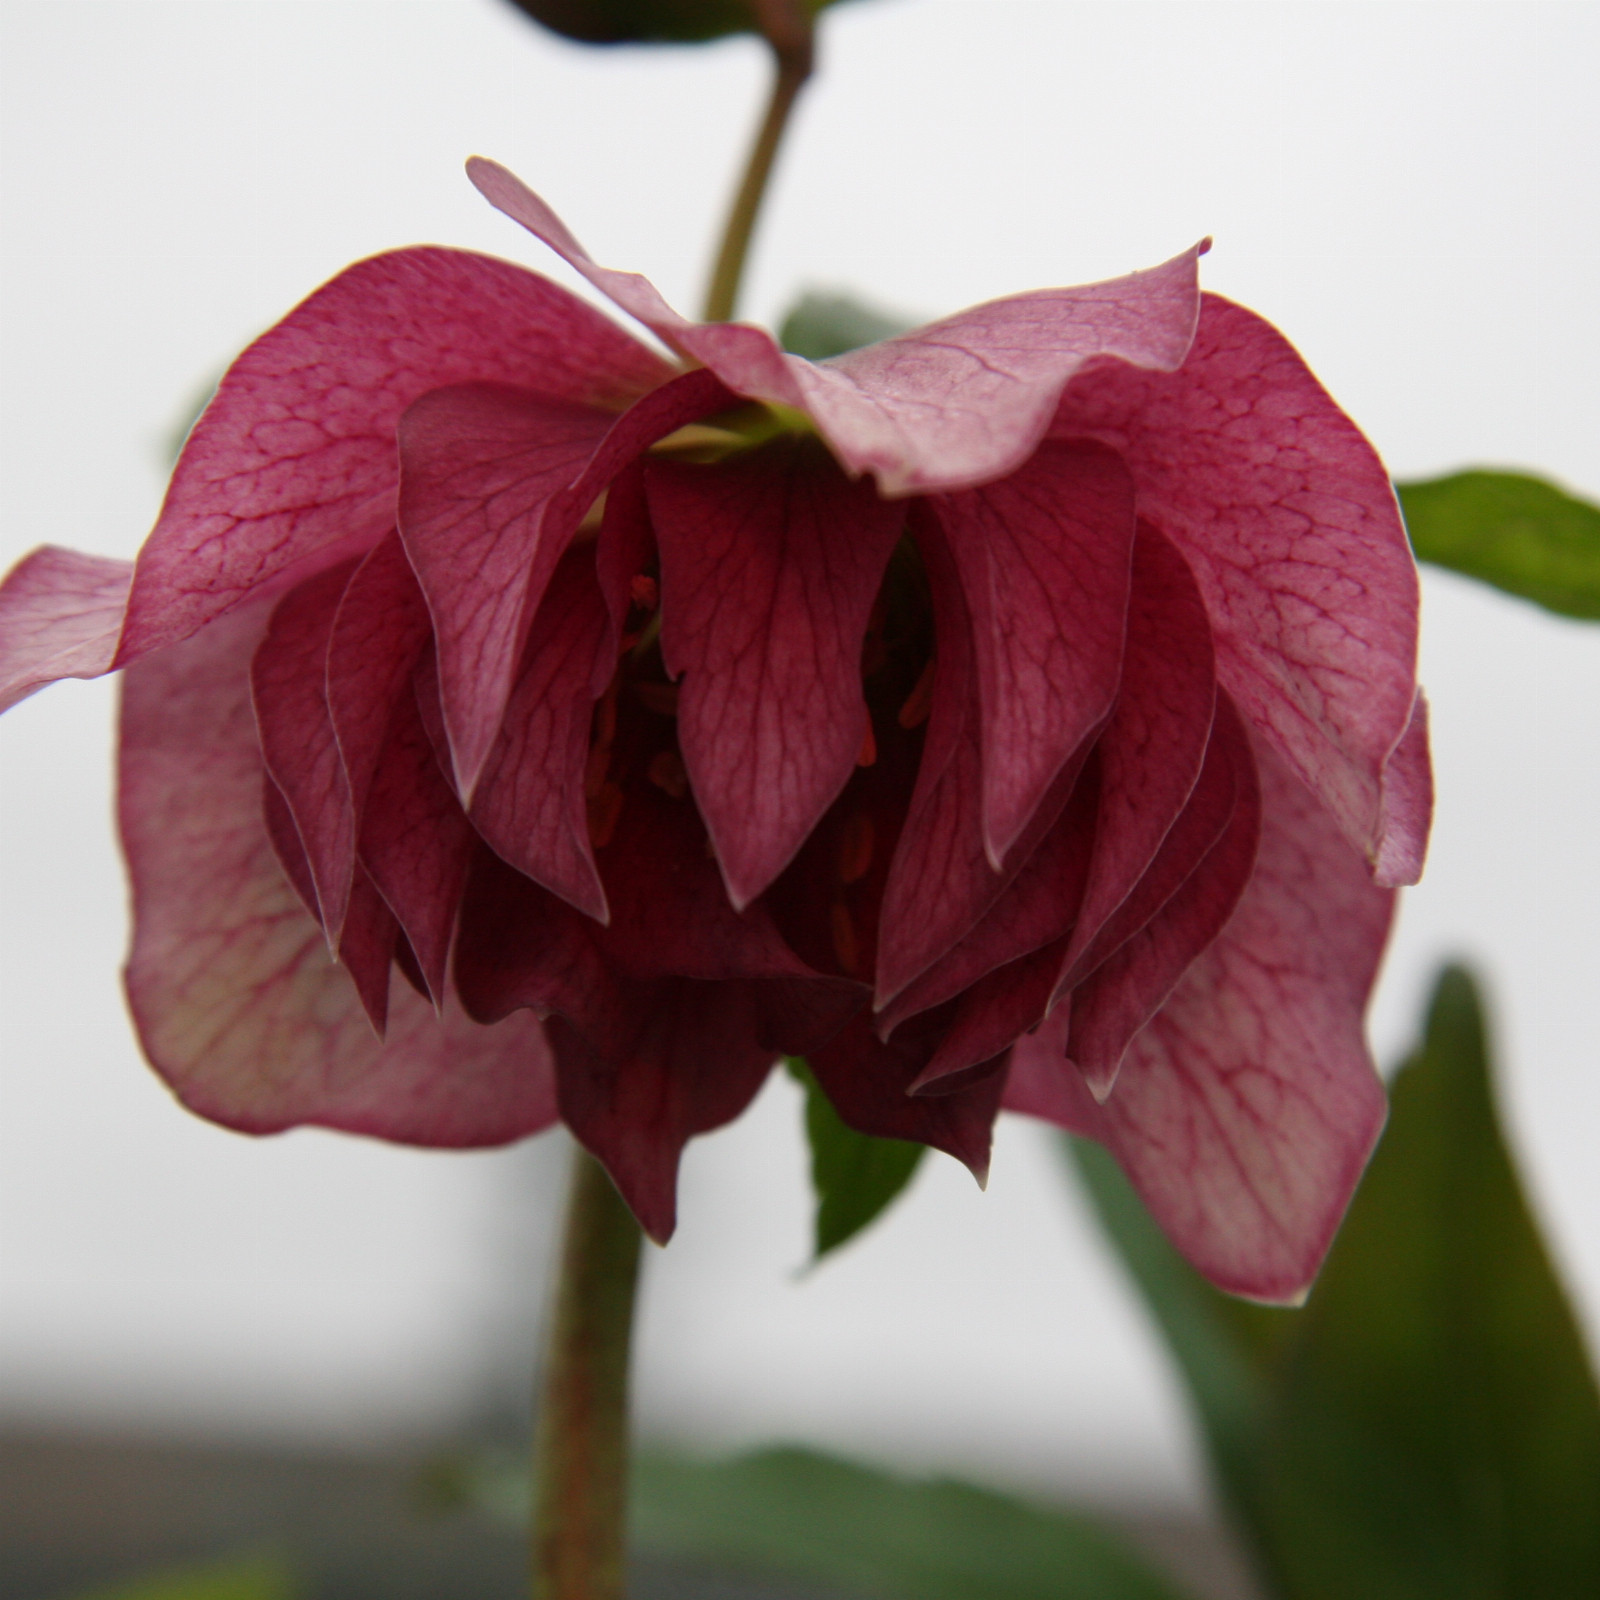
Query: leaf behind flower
(1516,532)
(1428,1427)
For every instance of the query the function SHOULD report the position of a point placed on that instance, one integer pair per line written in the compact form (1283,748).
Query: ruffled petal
(1045,558)
(235,1000)
(294,459)
(770,563)
(60,617)
(529,804)
(479,469)
(1126,990)
(963,401)
(1288,520)
(379,633)
(288,684)
(1245,1112)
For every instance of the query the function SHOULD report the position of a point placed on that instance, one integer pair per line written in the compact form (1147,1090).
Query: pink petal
(294,459)
(288,681)
(1127,989)
(1045,559)
(1155,742)
(236,1003)
(379,632)
(60,616)
(480,467)
(416,843)
(1407,813)
(770,563)
(960,402)
(1288,520)
(529,804)
(1246,1110)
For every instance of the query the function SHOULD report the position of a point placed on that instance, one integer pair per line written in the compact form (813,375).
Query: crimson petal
(1245,1111)
(770,563)
(1045,558)
(288,682)
(294,458)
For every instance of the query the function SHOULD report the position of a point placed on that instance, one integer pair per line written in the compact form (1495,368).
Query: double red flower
(1020,712)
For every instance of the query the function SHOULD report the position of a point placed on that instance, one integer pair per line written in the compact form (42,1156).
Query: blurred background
(1407,189)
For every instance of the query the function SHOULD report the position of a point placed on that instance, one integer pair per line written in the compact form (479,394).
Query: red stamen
(855,848)
(869,749)
(920,701)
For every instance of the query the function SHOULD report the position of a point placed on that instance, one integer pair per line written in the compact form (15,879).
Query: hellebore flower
(1020,712)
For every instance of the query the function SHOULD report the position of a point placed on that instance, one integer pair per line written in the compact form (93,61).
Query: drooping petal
(1407,812)
(963,401)
(1245,1111)
(1045,559)
(529,803)
(867,1081)
(479,468)
(288,684)
(236,1003)
(1153,747)
(294,458)
(941,880)
(60,616)
(1289,522)
(770,563)
(379,632)
(1125,990)
(416,842)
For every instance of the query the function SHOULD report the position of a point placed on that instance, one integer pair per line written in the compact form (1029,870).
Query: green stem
(581,1440)
(788,30)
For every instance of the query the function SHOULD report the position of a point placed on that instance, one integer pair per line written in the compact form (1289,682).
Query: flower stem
(787,26)
(581,1439)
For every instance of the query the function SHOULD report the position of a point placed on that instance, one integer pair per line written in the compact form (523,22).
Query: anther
(643,592)
(869,749)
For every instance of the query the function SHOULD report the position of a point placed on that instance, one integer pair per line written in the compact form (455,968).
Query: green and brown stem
(581,1440)
(787,26)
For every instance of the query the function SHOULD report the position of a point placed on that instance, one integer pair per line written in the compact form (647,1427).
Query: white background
(1408,190)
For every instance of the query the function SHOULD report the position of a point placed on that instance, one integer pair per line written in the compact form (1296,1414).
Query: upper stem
(581,1440)
(787,25)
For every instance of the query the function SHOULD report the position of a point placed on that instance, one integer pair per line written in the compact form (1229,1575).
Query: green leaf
(823,325)
(247,1578)
(853,1176)
(1428,1427)
(648,21)
(1518,533)
(800,1514)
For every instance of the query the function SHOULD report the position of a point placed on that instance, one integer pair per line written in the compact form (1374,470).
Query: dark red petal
(1045,558)
(60,617)
(1246,1110)
(529,803)
(941,881)
(416,842)
(1125,990)
(367,946)
(479,468)
(867,1081)
(770,563)
(288,682)
(294,460)
(236,1002)
(379,632)
(1153,747)
(1288,519)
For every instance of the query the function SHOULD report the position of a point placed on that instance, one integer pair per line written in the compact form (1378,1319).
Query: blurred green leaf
(1518,533)
(801,1514)
(648,21)
(242,1578)
(823,325)
(853,1176)
(1428,1427)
